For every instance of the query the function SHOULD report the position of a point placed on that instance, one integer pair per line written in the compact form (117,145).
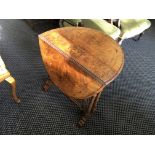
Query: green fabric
(98,24)
(70,22)
(102,25)
(133,27)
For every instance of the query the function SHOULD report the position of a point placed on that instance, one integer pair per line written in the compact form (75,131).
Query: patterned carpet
(127,105)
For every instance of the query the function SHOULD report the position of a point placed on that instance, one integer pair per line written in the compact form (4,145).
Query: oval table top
(93,51)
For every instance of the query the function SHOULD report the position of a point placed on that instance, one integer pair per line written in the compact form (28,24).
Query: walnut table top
(80,61)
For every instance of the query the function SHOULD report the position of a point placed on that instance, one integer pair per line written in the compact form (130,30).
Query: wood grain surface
(80,61)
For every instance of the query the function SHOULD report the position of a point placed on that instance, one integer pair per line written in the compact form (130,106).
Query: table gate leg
(87,113)
(91,109)
(95,102)
(47,85)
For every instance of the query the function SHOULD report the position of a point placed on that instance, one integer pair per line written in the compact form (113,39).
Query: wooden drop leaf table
(80,62)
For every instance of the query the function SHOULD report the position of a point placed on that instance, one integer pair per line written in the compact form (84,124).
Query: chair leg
(12,82)
(120,41)
(139,36)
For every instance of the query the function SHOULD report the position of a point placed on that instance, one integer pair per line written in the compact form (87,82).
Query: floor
(127,105)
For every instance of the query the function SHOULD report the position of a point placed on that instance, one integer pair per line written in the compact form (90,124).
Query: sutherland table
(80,62)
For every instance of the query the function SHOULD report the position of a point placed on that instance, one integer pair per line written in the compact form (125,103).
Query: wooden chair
(5,75)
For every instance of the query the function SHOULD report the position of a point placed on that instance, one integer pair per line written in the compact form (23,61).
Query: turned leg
(47,85)
(82,107)
(12,82)
(87,113)
(95,102)
(90,110)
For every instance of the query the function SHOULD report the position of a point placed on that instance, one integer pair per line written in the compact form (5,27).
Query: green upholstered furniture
(98,24)
(132,27)
(127,28)
(70,22)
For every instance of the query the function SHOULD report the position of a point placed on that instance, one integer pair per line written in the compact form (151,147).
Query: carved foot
(47,85)
(81,123)
(83,120)
(17,100)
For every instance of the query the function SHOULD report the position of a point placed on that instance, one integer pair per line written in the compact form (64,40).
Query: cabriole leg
(12,82)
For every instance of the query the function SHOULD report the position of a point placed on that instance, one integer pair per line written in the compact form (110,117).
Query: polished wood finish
(80,61)
(12,82)
(74,57)
(5,75)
